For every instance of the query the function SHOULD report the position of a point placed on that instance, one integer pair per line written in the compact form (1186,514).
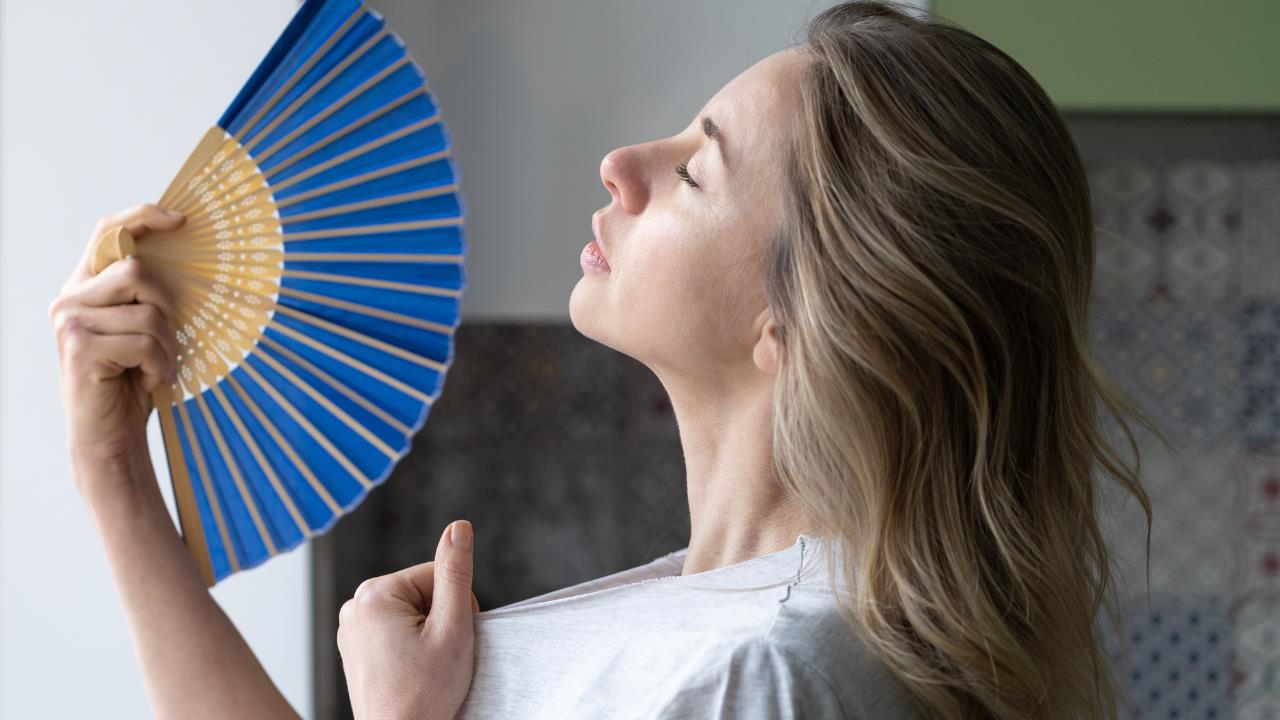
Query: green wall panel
(1126,55)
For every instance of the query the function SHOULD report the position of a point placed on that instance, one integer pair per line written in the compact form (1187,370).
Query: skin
(684,295)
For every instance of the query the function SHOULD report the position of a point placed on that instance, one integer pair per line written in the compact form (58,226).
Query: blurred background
(563,453)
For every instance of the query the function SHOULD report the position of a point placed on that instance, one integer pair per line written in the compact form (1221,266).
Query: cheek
(690,291)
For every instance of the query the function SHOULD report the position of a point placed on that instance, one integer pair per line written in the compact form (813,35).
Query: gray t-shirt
(648,642)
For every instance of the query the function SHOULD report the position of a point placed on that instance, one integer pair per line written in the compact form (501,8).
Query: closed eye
(682,170)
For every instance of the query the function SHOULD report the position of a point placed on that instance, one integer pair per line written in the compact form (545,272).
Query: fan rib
(352,153)
(203,215)
(339,386)
(300,72)
(372,203)
(370,229)
(366,310)
(320,85)
(338,105)
(360,338)
(286,447)
(302,420)
(327,404)
(324,114)
(213,139)
(261,459)
(183,495)
(216,166)
(353,362)
(250,503)
(375,257)
(358,179)
(214,505)
(370,282)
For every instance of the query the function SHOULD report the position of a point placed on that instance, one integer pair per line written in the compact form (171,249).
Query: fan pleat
(313,499)
(315,26)
(221,551)
(247,534)
(286,522)
(404,404)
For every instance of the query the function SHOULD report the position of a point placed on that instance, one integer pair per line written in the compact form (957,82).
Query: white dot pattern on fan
(229,254)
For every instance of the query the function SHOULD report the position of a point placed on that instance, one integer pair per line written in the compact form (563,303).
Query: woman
(862,274)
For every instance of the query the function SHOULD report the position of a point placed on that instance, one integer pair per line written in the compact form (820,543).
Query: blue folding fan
(318,283)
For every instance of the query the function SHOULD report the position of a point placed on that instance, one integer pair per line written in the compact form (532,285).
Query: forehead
(752,109)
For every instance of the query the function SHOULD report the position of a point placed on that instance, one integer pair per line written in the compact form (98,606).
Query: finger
(110,355)
(137,319)
(139,220)
(126,281)
(451,596)
(422,577)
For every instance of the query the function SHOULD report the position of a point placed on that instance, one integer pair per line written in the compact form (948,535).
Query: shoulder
(809,629)
(807,662)
(750,677)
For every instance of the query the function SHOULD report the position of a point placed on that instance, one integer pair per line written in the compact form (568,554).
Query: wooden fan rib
(351,362)
(371,282)
(358,179)
(199,284)
(250,503)
(338,386)
(214,169)
(371,203)
(240,200)
(208,225)
(259,457)
(191,525)
(306,425)
(301,71)
(286,447)
(335,107)
(354,152)
(210,497)
(355,92)
(373,257)
(327,404)
(214,138)
(372,229)
(366,310)
(319,85)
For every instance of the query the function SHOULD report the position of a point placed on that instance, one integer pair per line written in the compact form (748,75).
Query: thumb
(451,596)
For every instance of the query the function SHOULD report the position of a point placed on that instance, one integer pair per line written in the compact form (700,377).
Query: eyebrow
(713,131)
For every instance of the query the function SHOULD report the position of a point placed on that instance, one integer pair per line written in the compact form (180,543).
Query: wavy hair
(936,409)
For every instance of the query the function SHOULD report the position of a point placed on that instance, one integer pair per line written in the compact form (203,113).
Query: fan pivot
(115,244)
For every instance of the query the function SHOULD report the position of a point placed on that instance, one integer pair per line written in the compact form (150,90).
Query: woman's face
(683,289)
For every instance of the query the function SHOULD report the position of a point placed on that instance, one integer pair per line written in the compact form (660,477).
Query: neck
(738,510)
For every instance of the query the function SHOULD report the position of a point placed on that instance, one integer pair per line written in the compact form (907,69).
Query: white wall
(537,92)
(100,102)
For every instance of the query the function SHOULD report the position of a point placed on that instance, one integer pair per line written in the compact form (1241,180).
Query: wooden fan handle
(114,245)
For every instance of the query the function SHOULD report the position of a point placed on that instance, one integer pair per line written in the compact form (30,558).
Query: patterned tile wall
(1186,316)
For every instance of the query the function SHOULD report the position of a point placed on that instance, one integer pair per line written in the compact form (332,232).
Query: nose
(622,172)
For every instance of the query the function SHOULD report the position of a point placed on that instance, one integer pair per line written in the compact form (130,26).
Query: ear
(767,349)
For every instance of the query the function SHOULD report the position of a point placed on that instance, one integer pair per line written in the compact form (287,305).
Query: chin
(585,308)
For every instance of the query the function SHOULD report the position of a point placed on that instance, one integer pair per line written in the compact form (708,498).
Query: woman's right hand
(106,324)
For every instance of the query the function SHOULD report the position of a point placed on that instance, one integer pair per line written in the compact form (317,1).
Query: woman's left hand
(407,639)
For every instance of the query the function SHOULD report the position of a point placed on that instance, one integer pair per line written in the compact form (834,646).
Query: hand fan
(318,282)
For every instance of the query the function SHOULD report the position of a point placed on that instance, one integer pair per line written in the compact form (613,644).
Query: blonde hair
(936,407)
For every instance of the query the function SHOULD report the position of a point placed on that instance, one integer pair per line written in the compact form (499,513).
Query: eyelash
(683,171)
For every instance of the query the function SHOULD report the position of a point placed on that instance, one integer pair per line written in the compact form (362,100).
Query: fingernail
(174,213)
(460,534)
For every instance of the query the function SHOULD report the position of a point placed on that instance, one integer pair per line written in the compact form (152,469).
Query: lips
(595,230)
